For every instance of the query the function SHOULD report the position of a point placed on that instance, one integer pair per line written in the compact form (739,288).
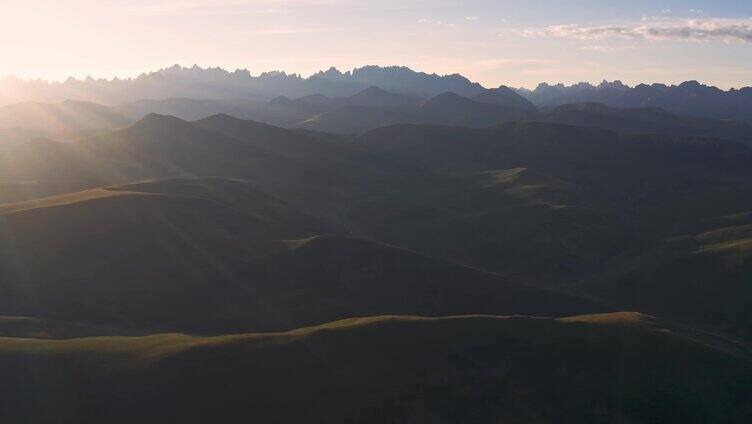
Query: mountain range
(689,98)
(217,83)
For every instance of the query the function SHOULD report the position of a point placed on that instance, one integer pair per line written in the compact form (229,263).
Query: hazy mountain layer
(688,98)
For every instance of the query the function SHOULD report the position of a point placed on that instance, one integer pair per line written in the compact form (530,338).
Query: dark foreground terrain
(621,367)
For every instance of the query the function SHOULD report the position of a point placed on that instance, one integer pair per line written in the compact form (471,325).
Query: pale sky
(513,42)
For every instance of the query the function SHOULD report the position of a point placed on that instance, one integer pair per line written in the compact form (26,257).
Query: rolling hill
(216,255)
(541,203)
(480,369)
(699,280)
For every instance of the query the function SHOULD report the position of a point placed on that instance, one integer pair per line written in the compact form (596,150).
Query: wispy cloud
(515,63)
(727,30)
(293,30)
(221,6)
(435,22)
(472,18)
(599,49)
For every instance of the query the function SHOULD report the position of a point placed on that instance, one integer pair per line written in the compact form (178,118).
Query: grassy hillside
(542,203)
(216,255)
(477,369)
(152,258)
(705,279)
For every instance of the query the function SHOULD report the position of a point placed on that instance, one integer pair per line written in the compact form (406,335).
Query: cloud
(296,30)
(472,18)
(600,49)
(728,30)
(221,6)
(515,63)
(437,23)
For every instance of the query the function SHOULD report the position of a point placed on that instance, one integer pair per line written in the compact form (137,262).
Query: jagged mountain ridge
(217,83)
(688,98)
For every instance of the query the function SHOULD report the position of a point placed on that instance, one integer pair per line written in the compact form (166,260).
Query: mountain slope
(190,108)
(505,96)
(61,120)
(702,279)
(216,255)
(647,120)
(452,109)
(149,259)
(479,369)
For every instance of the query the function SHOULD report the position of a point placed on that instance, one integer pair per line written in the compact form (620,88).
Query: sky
(514,42)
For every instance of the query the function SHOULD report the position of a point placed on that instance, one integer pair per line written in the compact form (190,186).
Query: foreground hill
(700,279)
(476,369)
